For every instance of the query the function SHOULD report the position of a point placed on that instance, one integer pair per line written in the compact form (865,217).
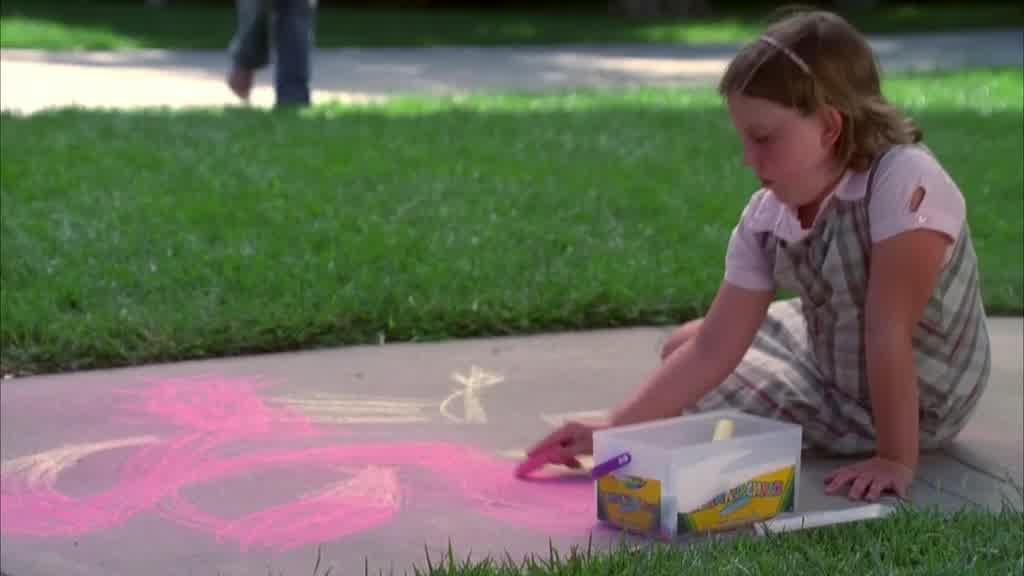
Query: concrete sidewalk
(31,80)
(244,465)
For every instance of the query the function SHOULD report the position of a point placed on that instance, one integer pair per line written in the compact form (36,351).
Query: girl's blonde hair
(815,58)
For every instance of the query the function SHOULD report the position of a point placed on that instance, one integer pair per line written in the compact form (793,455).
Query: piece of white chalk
(723,430)
(789,523)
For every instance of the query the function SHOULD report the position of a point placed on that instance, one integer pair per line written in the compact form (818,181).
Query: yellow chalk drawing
(354,409)
(41,469)
(557,420)
(472,409)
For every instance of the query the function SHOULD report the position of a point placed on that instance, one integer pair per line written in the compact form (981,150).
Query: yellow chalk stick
(723,430)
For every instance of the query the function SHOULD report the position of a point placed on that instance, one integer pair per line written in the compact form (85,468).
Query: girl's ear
(832,124)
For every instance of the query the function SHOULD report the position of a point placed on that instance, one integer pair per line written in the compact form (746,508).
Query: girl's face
(790,153)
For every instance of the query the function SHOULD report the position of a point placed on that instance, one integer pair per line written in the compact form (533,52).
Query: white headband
(789,53)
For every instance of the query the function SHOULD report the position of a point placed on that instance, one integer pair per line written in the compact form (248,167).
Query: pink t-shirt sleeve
(746,264)
(942,207)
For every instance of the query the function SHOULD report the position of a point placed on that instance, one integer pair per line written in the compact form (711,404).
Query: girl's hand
(566,443)
(871,478)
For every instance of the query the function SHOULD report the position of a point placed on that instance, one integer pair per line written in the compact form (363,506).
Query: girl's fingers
(876,490)
(556,438)
(568,452)
(839,479)
(901,489)
(860,485)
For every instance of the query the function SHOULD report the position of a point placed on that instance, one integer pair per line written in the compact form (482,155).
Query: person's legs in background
(294,36)
(250,47)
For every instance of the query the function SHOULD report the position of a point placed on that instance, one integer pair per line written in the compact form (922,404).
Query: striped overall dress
(807,364)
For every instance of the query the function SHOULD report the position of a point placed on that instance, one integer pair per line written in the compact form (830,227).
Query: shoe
(240,82)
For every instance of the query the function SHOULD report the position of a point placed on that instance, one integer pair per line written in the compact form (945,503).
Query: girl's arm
(904,271)
(702,362)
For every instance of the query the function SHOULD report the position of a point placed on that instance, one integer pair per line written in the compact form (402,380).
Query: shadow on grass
(170,236)
(107,25)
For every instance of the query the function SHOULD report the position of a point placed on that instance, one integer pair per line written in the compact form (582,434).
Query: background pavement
(33,80)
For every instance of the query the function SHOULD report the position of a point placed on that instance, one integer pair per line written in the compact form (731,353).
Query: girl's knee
(691,328)
(680,336)
(687,332)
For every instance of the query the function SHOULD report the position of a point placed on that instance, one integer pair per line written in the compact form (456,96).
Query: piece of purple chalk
(611,465)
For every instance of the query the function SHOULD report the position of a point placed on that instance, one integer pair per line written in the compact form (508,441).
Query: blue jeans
(292,34)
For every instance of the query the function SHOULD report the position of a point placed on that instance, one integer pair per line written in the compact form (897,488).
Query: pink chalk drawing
(223,429)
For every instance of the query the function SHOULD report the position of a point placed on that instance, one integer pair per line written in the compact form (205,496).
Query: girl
(885,350)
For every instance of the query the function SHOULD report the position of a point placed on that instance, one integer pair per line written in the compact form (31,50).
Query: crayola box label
(630,502)
(761,498)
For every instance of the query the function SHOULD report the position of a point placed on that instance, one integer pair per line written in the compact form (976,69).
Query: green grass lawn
(908,543)
(134,237)
(75,24)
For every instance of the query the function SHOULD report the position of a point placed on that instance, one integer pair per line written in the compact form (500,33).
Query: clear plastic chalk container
(697,473)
